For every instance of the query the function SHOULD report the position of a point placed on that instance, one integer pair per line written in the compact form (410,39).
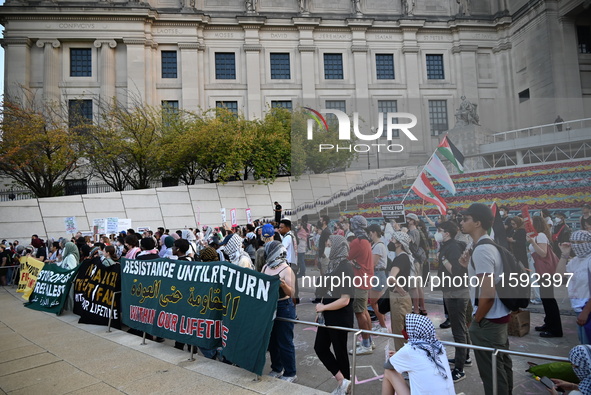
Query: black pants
(339,361)
(552,320)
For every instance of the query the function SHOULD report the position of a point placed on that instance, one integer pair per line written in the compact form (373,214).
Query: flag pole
(421,172)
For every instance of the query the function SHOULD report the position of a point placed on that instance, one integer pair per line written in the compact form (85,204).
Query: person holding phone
(580,358)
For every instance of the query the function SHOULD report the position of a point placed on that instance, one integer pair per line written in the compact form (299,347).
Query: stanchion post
(354,368)
(192,352)
(144,339)
(111,310)
(494,372)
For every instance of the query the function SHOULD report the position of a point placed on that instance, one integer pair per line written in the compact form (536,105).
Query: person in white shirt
(423,358)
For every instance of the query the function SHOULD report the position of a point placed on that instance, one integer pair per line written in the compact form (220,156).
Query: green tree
(306,155)
(126,145)
(38,149)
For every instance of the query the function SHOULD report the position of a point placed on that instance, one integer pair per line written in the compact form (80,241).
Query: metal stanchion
(111,310)
(494,371)
(354,368)
(143,339)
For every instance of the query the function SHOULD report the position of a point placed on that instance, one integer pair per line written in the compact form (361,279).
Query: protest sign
(248,216)
(51,289)
(112,225)
(70,223)
(29,271)
(394,212)
(233,217)
(223,212)
(99,226)
(204,304)
(94,288)
(123,224)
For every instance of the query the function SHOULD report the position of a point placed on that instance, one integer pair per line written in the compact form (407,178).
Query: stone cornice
(51,41)
(502,47)
(85,17)
(222,27)
(252,47)
(251,22)
(190,46)
(135,41)
(15,41)
(359,24)
(464,48)
(111,43)
(410,49)
(306,23)
(307,48)
(359,48)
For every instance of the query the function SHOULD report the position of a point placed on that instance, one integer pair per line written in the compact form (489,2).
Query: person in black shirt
(278,210)
(337,309)
(398,284)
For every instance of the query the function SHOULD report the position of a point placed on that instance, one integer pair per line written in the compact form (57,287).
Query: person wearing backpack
(489,327)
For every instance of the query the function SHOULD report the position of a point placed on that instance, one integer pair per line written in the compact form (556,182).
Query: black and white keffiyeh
(275,254)
(339,250)
(358,224)
(581,243)
(580,357)
(421,334)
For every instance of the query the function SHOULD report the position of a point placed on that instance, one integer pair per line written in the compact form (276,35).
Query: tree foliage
(38,148)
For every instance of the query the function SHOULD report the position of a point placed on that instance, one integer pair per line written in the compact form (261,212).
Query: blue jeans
(301,264)
(281,345)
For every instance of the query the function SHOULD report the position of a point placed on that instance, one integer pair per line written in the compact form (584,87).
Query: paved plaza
(46,354)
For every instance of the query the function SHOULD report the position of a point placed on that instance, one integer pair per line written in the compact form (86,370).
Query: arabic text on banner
(204,304)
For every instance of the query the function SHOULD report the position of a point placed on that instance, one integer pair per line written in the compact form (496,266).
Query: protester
(489,326)
(380,264)
(580,358)
(132,246)
(579,286)
(281,347)
(4,261)
(423,358)
(149,251)
(416,292)
(70,257)
(236,253)
(304,230)
(110,256)
(361,257)
(539,248)
(455,292)
(337,310)
(586,214)
(561,233)
(398,283)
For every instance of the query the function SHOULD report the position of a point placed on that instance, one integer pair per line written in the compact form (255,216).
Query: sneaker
(468,362)
(275,374)
(361,350)
(379,328)
(373,345)
(445,324)
(457,375)
(291,379)
(343,389)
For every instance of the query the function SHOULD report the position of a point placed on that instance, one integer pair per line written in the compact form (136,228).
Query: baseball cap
(480,212)
(412,216)
(268,230)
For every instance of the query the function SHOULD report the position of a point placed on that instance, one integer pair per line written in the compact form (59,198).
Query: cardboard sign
(223,212)
(233,217)
(70,223)
(248,216)
(394,212)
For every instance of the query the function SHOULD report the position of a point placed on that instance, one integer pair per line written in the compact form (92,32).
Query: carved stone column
(51,74)
(107,69)
(17,52)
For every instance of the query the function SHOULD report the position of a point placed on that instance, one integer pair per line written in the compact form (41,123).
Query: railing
(494,351)
(540,130)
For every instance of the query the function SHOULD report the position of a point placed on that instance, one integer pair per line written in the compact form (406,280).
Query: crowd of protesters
(389,253)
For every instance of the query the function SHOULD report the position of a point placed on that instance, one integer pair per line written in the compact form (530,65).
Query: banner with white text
(95,287)
(51,289)
(209,305)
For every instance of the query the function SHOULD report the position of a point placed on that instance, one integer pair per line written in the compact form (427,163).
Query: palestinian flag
(447,149)
(423,188)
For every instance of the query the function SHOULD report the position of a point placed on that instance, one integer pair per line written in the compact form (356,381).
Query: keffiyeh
(421,334)
(581,243)
(234,249)
(338,251)
(580,357)
(358,224)
(275,254)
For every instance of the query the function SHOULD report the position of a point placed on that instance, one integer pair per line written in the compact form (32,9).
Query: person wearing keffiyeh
(580,358)
(236,253)
(423,358)
(578,286)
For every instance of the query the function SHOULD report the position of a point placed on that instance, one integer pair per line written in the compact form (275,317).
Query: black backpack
(513,294)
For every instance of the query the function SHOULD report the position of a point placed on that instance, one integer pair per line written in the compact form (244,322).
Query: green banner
(52,289)
(209,305)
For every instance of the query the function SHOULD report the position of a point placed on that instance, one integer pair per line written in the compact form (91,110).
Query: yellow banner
(30,269)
